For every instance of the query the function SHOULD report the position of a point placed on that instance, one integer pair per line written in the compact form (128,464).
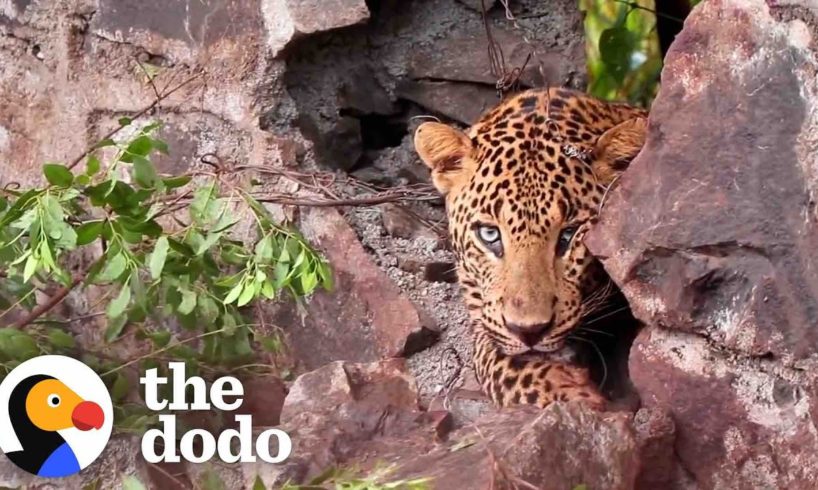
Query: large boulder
(711,234)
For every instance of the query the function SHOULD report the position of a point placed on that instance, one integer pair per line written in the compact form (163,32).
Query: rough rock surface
(712,236)
(365,317)
(288,19)
(367,414)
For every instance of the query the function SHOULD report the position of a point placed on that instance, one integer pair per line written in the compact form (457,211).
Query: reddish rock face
(364,318)
(363,414)
(711,234)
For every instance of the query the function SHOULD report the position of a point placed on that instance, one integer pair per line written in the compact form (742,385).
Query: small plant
(161,249)
(350,479)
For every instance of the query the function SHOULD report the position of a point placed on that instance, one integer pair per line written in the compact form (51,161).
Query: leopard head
(522,188)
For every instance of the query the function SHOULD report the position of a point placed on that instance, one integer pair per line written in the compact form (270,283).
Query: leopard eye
(491,238)
(564,241)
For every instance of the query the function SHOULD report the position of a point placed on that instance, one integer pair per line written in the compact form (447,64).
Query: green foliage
(348,479)
(164,254)
(624,60)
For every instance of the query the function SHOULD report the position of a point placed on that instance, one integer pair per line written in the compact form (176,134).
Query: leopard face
(523,186)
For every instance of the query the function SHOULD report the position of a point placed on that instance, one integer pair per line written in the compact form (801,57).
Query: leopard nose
(530,335)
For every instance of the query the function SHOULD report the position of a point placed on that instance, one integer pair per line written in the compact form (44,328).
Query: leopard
(522,188)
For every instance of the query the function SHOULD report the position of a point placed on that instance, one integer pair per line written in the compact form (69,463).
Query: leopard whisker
(599,354)
(606,315)
(591,330)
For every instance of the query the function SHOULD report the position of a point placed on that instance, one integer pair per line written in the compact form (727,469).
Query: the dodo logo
(55,416)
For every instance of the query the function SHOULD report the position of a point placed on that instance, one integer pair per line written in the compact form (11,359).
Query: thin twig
(52,302)
(137,115)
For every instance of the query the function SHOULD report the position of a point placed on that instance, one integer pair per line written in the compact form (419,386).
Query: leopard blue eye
(491,237)
(565,238)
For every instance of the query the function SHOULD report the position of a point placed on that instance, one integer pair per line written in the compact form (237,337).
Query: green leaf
(188,302)
(58,175)
(144,172)
(268,290)
(20,206)
(114,268)
(207,307)
(208,242)
(93,165)
(117,307)
(124,121)
(104,143)
(174,182)
(160,339)
(181,248)
(325,274)
(158,257)
(88,232)
(59,338)
(32,264)
(270,343)
(616,46)
(234,293)
(17,345)
(281,273)
(259,484)
(264,250)
(211,480)
(246,295)
(115,327)
(120,387)
(140,147)
(308,282)
(160,146)
(132,483)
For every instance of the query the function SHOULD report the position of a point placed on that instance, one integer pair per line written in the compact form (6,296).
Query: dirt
(443,363)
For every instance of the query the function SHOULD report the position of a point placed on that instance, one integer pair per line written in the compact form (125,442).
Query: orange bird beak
(87,416)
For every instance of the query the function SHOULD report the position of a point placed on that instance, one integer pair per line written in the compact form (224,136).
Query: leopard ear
(617,146)
(445,151)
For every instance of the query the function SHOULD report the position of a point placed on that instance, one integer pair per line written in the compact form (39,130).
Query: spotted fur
(532,171)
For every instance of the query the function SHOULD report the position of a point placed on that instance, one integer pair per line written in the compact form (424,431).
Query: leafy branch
(164,249)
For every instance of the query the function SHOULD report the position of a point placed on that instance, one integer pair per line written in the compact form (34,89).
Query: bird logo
(57,418)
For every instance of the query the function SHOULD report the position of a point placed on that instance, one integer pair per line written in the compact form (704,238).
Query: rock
(347,410)
(471,62)
(360,415)
(560,447)
(379,384)
(338,143)
(742,279)
(740,423)
(364,318)
(361,93)
(440,272)
(176,29)
(399,223)
(263,399)
(286,20)
(461,102)
(655,436)
(477,5)
(711,234)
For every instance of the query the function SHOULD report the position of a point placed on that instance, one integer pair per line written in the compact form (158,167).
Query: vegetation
(158,254)
(349,479)
(624,60)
